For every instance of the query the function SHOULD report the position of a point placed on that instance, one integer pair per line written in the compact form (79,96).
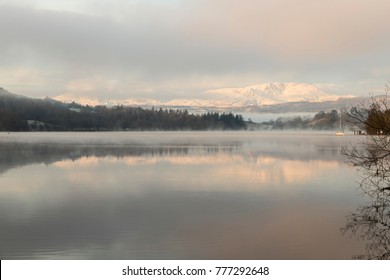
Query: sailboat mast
(341,126)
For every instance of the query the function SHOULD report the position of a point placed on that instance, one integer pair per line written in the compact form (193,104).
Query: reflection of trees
(371,223)
(19,154)
(371,157)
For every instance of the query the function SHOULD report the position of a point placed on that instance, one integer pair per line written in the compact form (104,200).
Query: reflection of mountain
(19,154)
(253,162)
(22,151)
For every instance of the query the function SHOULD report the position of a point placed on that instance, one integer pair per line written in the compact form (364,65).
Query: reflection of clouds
(194,159)
(81,162)
(185,160)
(300,171)
(185,172)
(274,171)
(251,172)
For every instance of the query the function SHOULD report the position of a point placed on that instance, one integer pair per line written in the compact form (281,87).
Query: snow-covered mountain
(256,95)
(272,93)
(94,101)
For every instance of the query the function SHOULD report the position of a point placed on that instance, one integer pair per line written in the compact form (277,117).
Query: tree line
(320,121)
(372,119)
(27,114)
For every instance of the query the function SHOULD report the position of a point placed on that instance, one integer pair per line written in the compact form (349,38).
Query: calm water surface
(175,195)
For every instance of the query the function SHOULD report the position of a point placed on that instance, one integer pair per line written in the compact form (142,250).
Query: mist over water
(175,195)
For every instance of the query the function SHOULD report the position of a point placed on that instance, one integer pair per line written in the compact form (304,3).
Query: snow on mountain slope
(93,101)
(256,95)
(69,98)
(274,93)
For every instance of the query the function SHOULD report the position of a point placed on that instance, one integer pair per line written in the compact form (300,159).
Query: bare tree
(371,157)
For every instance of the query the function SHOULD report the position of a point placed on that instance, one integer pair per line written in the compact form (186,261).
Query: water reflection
(252,168)
(371,221)
(25,149)
(18,154)
(174,195)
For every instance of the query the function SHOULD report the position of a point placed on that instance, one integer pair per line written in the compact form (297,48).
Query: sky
(169,49)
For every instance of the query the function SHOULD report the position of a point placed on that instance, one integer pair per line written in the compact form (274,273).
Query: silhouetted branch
(371,157)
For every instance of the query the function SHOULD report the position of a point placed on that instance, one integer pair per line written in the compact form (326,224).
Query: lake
(176,195)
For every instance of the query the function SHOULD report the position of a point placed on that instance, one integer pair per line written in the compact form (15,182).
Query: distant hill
(6,93)
(305,106)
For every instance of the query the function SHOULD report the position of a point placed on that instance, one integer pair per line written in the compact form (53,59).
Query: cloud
(184,47)
(299,29)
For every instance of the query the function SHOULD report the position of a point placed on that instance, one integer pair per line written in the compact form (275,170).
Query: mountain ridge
(225,98)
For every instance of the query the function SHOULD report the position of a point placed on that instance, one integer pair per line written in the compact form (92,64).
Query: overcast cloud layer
(171,48)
